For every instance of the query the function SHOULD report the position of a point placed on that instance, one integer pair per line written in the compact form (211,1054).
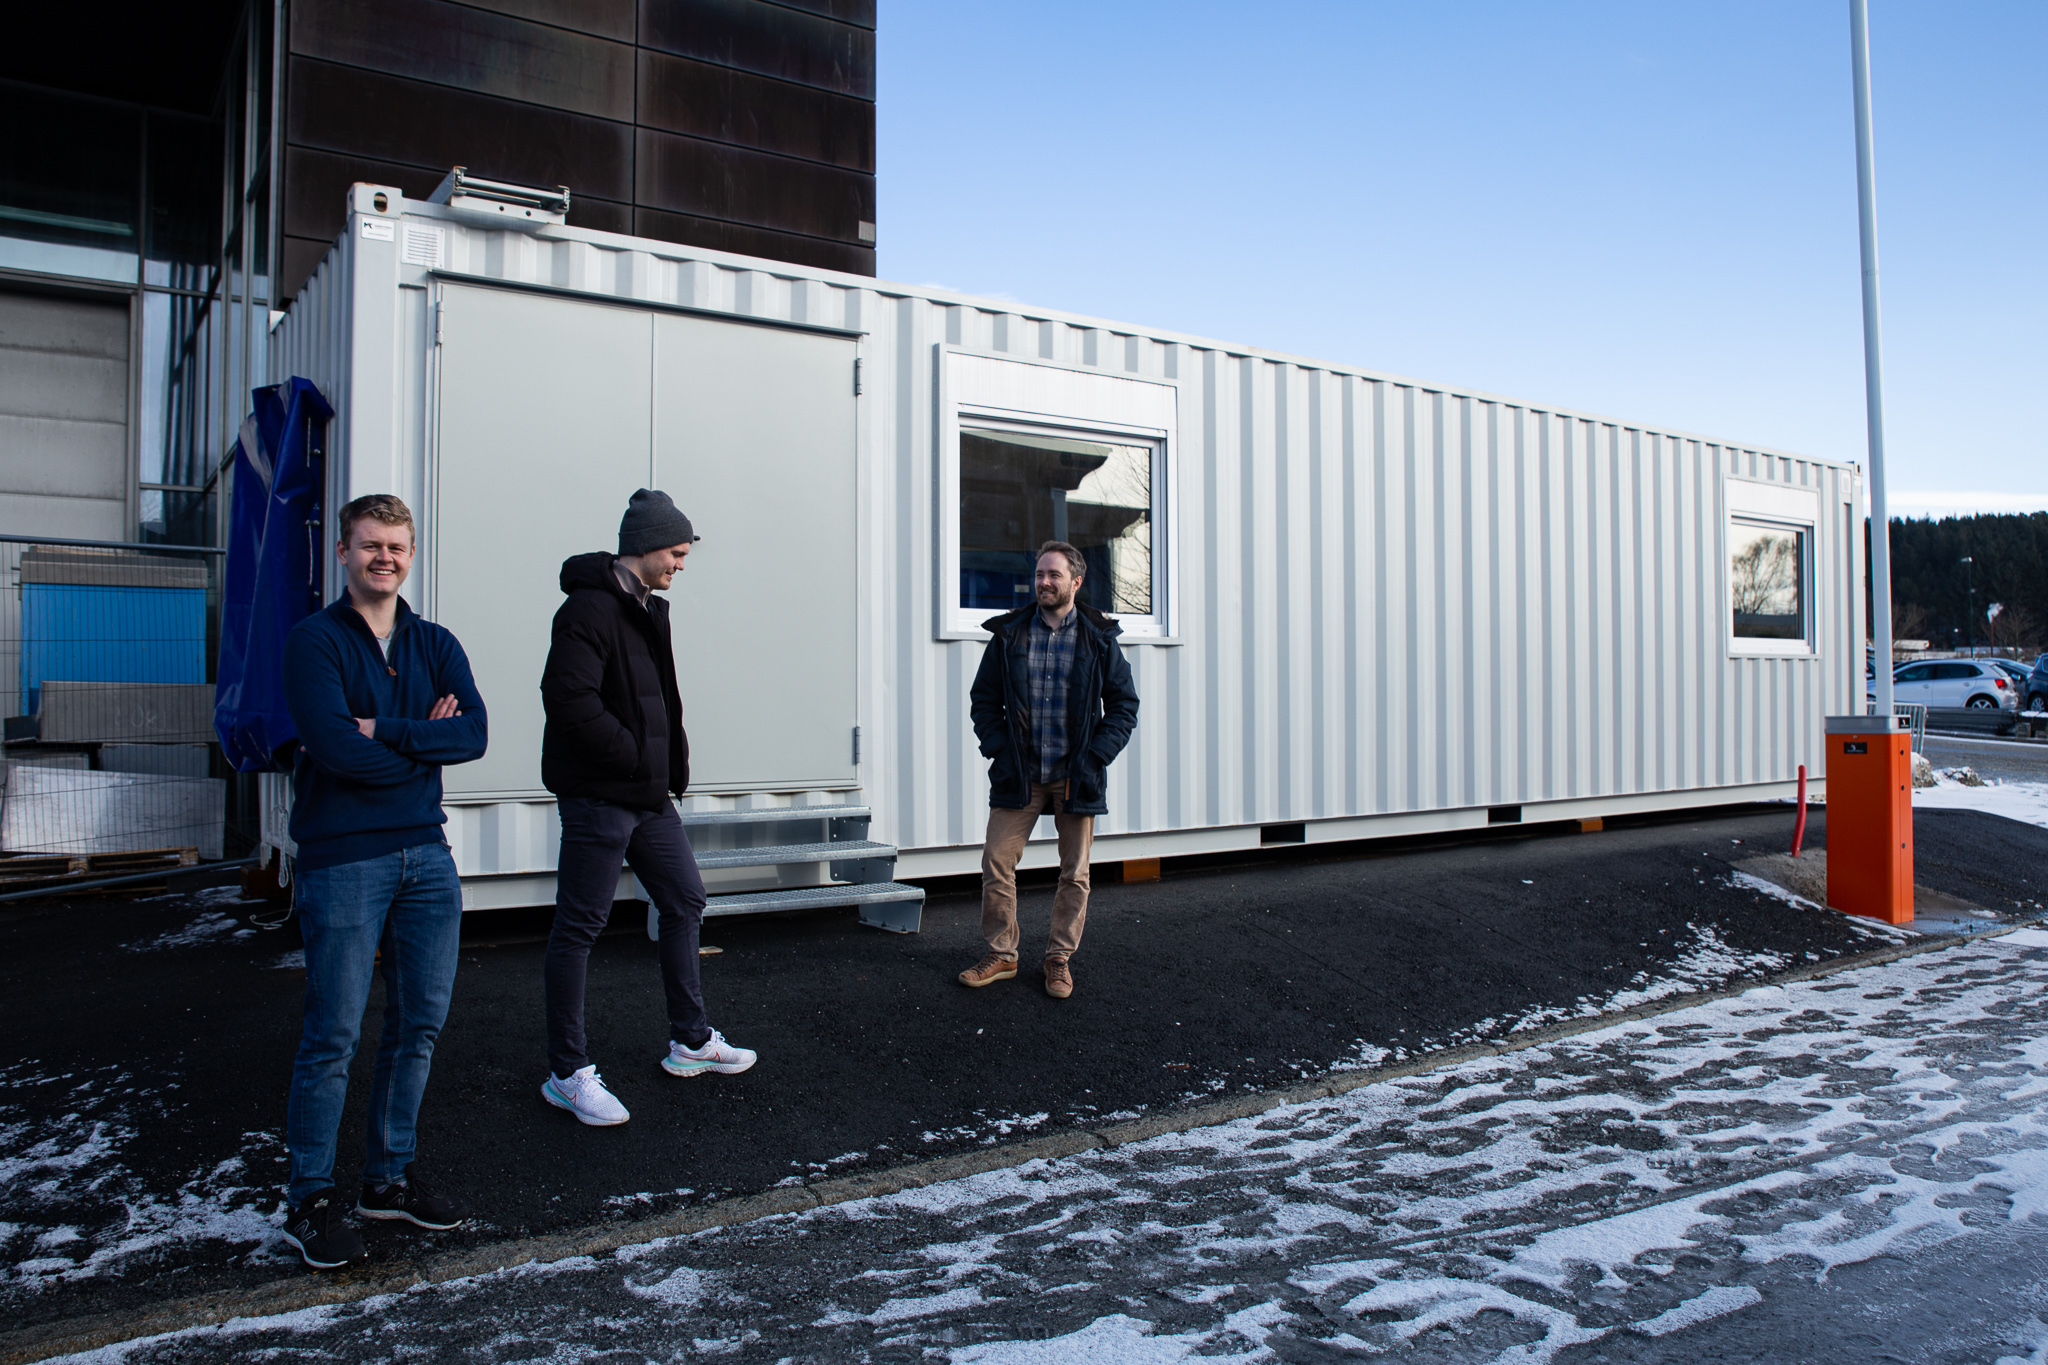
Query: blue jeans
(596,837)
(409,903)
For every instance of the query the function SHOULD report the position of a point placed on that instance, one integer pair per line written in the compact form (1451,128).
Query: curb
(390,1277)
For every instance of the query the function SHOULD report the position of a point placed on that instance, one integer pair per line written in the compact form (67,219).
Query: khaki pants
(1007,832)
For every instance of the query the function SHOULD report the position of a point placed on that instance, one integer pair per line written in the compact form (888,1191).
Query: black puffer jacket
(1102,710)
(615,717)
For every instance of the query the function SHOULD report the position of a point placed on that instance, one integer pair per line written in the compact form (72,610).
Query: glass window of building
(1767,581)
(1020,489)
(149,231)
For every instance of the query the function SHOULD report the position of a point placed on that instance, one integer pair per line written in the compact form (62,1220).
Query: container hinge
(856,376)
(440,316)
(856,746)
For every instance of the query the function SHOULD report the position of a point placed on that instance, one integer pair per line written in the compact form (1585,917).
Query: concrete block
(162,760)
(56,810)
(126,713)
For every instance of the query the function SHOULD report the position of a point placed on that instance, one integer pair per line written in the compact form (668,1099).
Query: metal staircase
(863,869)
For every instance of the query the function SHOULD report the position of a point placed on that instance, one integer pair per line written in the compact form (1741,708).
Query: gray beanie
(652,522)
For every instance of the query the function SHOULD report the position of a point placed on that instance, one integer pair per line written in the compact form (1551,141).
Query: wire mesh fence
(110,763)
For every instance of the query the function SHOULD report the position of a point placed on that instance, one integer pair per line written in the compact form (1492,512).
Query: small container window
(1767,590)
(1019,490)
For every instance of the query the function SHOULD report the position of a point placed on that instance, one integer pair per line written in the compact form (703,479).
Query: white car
(1955,683)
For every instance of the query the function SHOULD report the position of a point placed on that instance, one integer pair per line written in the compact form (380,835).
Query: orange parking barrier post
(1870,817)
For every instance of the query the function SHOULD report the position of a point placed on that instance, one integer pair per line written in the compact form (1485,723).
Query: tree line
(1932,597)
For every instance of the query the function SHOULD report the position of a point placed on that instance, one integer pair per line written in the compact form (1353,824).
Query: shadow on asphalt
(153,1038)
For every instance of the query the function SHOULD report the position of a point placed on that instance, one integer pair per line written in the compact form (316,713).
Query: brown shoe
(1059,978)
(994,967)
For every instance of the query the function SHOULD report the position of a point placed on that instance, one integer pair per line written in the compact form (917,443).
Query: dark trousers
(597,837)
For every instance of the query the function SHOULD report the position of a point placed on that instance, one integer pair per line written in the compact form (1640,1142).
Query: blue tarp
(273,534)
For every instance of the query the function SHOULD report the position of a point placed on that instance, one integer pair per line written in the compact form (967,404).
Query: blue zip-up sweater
(355,797)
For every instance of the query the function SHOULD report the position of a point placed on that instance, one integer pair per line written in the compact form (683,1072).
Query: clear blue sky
(1645,210)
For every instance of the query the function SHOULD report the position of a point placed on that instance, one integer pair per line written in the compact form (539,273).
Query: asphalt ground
(1214,980)
(1838,1170)
(2002,760)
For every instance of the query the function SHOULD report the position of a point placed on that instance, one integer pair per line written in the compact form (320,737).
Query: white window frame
(1075,402)
(1755,503)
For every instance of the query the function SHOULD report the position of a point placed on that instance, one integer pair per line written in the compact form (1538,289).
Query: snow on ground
(127,1222)
(77,1211)
(1799,1161)
(209,926)
(2023,801)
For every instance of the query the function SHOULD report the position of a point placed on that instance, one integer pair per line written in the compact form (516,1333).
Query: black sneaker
(411,1201)
(316,1228)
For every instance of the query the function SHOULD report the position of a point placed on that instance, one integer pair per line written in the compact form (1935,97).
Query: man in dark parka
(1053,705)
(613,751)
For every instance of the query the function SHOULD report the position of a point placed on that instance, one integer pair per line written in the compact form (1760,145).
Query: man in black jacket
(1053,705)
(613,750)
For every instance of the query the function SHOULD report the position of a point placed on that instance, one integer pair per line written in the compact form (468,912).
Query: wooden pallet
(33,871)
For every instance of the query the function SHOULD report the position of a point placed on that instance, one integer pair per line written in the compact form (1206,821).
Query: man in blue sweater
(382,699)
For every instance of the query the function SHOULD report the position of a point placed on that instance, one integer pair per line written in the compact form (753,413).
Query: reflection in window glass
(183,221)
(174,517)
(68,198)
(1767,581)
(1019,491)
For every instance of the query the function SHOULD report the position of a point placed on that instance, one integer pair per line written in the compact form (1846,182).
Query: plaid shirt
(1051,661)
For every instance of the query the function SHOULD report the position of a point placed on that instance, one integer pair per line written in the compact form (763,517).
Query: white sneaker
(716,1055)
(584,1095)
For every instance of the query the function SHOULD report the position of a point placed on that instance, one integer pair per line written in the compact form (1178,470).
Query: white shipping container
(1356,603)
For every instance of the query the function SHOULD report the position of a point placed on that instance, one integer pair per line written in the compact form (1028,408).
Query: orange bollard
(1870,817)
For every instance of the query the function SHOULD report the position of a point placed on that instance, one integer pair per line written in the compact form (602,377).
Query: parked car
(1979,684)
(2014,669)
(2036,688)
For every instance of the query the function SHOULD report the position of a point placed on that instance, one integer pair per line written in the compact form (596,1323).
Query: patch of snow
(1113,1340)
(682,1287)
(629,1201)
(1750,882)
(985,1130)
(1716,1302)
(902,1310)
(2036,1347)
(293,961)
(211,927)
(67,1158)
(302,1320)
(1204,1293)
(2026,802)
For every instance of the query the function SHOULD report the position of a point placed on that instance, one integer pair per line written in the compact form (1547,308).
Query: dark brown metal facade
(739,125)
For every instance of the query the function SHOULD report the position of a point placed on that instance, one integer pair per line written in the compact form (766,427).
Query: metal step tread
(767,814)
(811,897)
(770,854)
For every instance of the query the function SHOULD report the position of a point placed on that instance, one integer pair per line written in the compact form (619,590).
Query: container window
(1767,581)
(1019,490)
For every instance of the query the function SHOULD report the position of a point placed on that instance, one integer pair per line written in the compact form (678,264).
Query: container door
(541,435)
(754,438)
(551,412)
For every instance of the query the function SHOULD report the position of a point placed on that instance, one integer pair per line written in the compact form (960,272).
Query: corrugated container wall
(1397,605)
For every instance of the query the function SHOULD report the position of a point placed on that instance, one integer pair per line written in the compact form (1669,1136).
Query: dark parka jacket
(614,715)
(1102,709)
